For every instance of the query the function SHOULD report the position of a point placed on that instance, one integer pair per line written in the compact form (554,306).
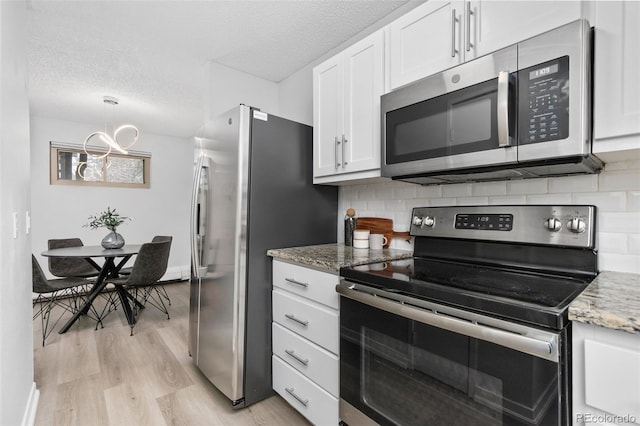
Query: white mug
(361,234)
(376,241)
(361,244)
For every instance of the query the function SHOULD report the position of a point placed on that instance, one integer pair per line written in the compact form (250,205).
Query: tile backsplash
(615,192)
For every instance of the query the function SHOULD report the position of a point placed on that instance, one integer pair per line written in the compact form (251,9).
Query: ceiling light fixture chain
(112,142)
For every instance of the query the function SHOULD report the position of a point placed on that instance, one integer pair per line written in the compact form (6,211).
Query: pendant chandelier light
(128,131)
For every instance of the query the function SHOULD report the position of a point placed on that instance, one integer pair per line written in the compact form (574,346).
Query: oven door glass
(402,372)
(460,122)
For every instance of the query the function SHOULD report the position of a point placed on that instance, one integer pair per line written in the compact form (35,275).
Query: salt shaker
(349,226)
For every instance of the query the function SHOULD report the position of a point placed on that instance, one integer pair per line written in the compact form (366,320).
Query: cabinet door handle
(336,152)
(299,321)
(292,281)
(469,13)
(291,392)
(454,51)
(344,142)
(293,355)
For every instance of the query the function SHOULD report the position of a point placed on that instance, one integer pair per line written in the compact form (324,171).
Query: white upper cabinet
(346,112)
(327,115)
(424,41)
(503,23)
(440,34)
(617,71)
(363,86)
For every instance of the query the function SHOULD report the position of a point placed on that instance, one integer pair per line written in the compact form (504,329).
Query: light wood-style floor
(106,377)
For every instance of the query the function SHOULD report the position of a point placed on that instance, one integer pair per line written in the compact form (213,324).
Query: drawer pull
(292,281)
(299,321)
(293,355)
(291,391)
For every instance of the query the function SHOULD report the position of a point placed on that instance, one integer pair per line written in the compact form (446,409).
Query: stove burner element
(488,285)
(521,286)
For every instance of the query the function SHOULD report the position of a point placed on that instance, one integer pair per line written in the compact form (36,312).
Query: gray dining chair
(162,291)
(61,292)
(150,265)
(69,266)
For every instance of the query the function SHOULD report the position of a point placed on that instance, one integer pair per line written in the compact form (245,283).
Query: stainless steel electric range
(474,328)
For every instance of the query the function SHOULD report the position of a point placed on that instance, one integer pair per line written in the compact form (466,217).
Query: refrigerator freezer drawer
(308,319)
(317,364)
(313,402)
(315,285)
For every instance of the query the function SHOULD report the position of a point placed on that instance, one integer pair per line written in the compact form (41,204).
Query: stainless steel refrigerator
(252,191)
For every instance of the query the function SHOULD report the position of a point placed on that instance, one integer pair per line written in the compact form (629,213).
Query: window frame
(55,148)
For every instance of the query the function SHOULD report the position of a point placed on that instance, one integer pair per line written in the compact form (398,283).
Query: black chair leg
(156,300)
(45,315)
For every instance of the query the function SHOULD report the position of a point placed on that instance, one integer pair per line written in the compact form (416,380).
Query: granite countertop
(612,300)
(331,257)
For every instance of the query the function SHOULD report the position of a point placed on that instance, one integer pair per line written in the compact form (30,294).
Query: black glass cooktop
(502,292)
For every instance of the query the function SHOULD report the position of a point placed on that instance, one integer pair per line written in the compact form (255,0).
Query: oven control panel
(484,222)
(564,225)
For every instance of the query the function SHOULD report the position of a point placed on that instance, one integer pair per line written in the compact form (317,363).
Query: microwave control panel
(544,102)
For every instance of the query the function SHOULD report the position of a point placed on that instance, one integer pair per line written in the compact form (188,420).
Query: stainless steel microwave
(523,111)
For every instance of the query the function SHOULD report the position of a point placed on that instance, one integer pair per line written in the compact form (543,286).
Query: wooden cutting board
(379,225)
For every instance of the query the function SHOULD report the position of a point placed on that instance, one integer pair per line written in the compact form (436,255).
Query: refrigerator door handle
(195,261)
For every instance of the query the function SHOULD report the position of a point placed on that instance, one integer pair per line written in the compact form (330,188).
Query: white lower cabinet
(606,376)
(311,321)
(313,402)
(306,341)
(308,358)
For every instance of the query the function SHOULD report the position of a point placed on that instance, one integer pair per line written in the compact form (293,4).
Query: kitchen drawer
(315,285)
(317,364)
(308,319)
(313,402)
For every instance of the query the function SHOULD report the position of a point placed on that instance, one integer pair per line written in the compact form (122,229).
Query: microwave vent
(557,167)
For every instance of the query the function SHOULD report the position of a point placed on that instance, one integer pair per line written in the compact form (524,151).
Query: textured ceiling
(151,55)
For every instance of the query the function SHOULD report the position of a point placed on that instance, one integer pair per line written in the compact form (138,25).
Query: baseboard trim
(176,273)
(29,418)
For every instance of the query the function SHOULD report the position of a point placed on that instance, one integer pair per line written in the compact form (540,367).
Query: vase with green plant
(109,219)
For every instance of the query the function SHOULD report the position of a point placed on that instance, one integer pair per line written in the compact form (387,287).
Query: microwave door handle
(503,109)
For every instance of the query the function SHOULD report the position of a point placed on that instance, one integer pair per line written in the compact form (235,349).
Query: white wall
(228,88)
(60,211)
(296,96)
(615,192)
(18,394)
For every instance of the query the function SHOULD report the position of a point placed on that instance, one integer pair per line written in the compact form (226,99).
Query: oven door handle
(546,347)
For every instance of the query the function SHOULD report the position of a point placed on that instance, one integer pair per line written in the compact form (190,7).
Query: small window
(71,165)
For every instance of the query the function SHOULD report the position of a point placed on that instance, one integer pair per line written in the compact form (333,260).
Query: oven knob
(428,221)
(576,225)
(417,220)
(553,224)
